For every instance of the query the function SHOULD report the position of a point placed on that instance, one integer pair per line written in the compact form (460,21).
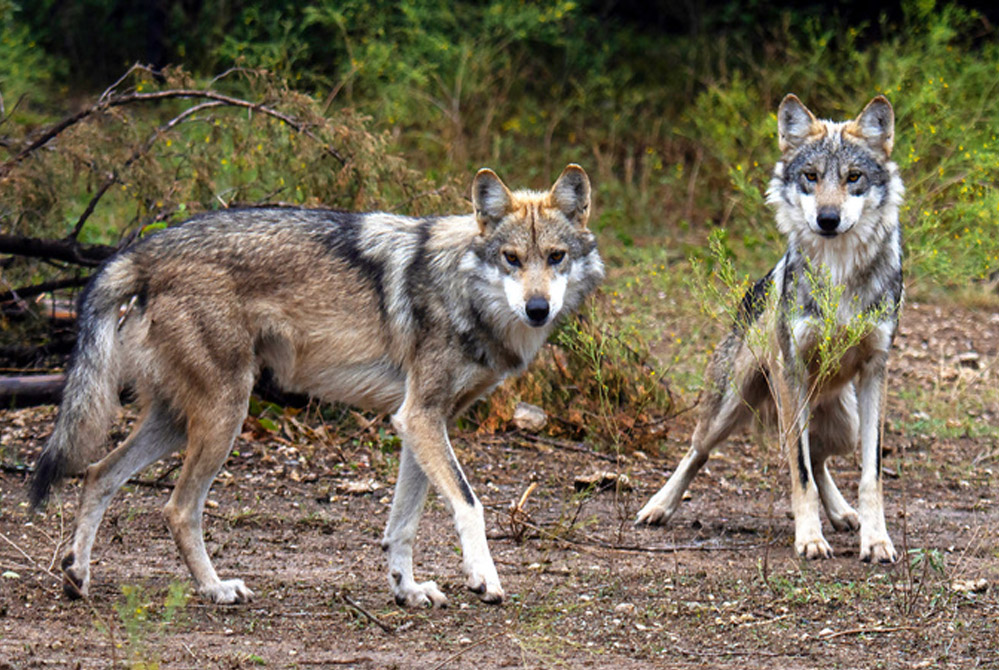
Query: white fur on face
(515,296)
(556,294)
(809,210)
(851,211)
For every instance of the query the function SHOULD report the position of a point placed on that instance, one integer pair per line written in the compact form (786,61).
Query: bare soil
(719,587)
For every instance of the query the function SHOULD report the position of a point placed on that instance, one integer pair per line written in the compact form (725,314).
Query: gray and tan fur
(836,195)
(413,316)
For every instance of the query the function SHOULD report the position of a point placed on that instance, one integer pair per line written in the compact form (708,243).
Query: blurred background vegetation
(669,106)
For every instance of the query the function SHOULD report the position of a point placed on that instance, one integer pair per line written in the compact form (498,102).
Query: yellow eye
(811,176)
(853,177)
(511,258)
(555,257)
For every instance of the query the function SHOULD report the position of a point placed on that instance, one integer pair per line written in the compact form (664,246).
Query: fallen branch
(31,390)
(590,541)
(157,483)
(566,446)
(457,654)
(371,617)
(69,250)
(33,562)
(37,289)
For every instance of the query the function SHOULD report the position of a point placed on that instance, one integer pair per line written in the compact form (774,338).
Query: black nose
(537,310)
(828,220)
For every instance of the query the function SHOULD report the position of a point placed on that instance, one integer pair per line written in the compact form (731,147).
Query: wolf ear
(490,197)
(876,125)
(795,123)
(571,194)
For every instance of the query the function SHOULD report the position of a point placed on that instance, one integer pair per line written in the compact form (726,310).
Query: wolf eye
(853,176)
(811,176)
(555,257)
(511,258)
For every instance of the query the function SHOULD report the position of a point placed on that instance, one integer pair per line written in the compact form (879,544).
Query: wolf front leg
(875,545)
(407,506)
(423,429)
(793,412)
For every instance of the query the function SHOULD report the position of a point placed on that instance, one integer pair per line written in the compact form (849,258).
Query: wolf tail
(93,379)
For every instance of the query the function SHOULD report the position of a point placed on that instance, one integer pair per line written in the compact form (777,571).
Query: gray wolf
(824,319)
(418,317)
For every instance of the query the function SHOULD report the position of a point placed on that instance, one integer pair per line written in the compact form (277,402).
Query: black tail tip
(48,471)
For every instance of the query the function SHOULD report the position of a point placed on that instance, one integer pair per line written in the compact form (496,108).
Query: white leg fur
(425,434)
(841,515)
(708,434)
(808,539)
(407,506)
(793,411)
(875,545)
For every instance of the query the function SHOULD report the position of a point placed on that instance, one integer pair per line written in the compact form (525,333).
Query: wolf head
(534,248)
(835,179)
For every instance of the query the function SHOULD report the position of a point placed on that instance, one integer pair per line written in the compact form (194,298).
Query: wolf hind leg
(211,429)
(724,412)
(158,433)
(407,507)
(834,430)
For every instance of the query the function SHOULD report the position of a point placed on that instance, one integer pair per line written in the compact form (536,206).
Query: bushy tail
(93,380)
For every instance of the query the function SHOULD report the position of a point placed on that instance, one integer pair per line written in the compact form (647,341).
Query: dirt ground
(719,587)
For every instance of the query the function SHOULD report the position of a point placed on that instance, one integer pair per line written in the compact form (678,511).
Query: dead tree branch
(69,251)
(106,103)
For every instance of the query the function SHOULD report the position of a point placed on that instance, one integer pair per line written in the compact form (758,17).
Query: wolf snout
(537,310)
(828,221)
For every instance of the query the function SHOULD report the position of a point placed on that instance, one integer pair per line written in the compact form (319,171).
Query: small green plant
(143,620)
(923,568)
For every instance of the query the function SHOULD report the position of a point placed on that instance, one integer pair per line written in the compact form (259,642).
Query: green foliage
(940,81)
(24,66)
(678,131)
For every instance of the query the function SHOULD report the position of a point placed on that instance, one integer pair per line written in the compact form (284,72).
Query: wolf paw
(488,593)
(424,594)
(653,515)
(879,550)
(75,581)
(229,592)
(846,521)
(814,548)
(74,587)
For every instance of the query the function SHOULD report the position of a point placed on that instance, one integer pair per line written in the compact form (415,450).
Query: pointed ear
(795,123)
(876,126)
(490,197)
(571,194)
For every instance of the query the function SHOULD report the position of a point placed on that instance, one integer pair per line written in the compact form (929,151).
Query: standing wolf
(414,316)
(836,194)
